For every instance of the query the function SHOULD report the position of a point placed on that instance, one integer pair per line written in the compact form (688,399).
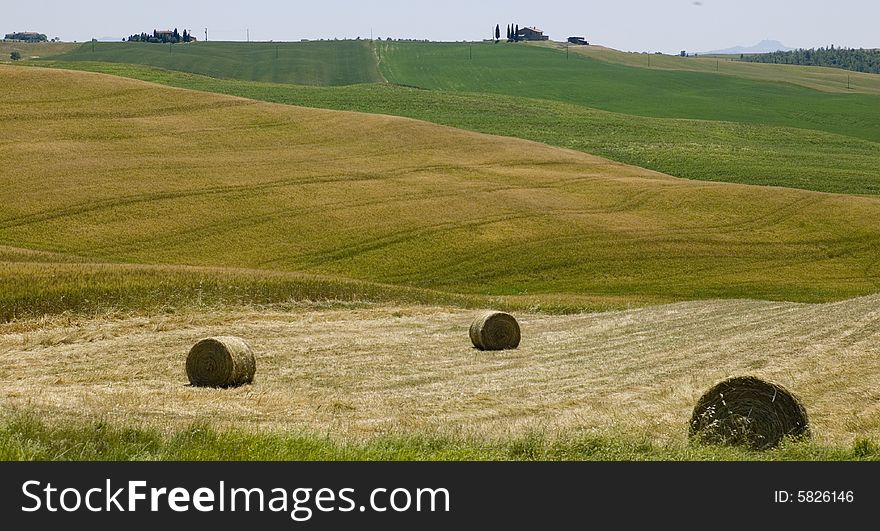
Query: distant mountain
(110,39)
(761,47)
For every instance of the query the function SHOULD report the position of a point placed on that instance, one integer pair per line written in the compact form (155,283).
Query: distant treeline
(162,37)
(859,60)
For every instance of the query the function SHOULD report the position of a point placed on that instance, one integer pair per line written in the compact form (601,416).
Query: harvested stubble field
(366,372)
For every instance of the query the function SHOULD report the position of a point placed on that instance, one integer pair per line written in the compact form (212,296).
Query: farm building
(532,34)
(26,36)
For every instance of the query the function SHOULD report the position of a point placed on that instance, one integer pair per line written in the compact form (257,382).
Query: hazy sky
(637,25)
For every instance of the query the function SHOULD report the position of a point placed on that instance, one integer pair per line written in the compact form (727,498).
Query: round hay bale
(748,411)
(495,331)
(220,362)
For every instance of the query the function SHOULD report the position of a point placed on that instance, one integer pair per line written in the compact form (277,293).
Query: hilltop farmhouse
(26,36)
(162,36)
(531,34)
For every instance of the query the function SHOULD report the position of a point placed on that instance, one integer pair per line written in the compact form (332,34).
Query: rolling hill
(753,124)
(115,171)
(695,149)
(750,94)
(542,72)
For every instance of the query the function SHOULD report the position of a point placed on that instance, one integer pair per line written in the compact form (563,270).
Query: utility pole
(248,30)
(470,52)
(717,67)
(847,82)
(566,51)
(206,34)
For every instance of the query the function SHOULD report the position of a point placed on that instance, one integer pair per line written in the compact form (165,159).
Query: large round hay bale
(495,331)
(220,362)
(747,411)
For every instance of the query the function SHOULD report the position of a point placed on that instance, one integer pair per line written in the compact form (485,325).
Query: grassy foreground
(23,437)
(694,149)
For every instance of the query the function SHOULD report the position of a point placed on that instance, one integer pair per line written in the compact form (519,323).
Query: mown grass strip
(24,437)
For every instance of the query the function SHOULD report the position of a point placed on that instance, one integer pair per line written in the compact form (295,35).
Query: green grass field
(305,63)
(540,72)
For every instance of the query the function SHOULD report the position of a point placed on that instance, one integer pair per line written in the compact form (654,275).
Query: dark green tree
(859,60)
(15,56)
(497,32)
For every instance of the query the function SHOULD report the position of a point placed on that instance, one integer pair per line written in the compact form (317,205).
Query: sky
(632,25)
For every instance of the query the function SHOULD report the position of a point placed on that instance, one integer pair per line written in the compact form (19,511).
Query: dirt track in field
(353,373)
